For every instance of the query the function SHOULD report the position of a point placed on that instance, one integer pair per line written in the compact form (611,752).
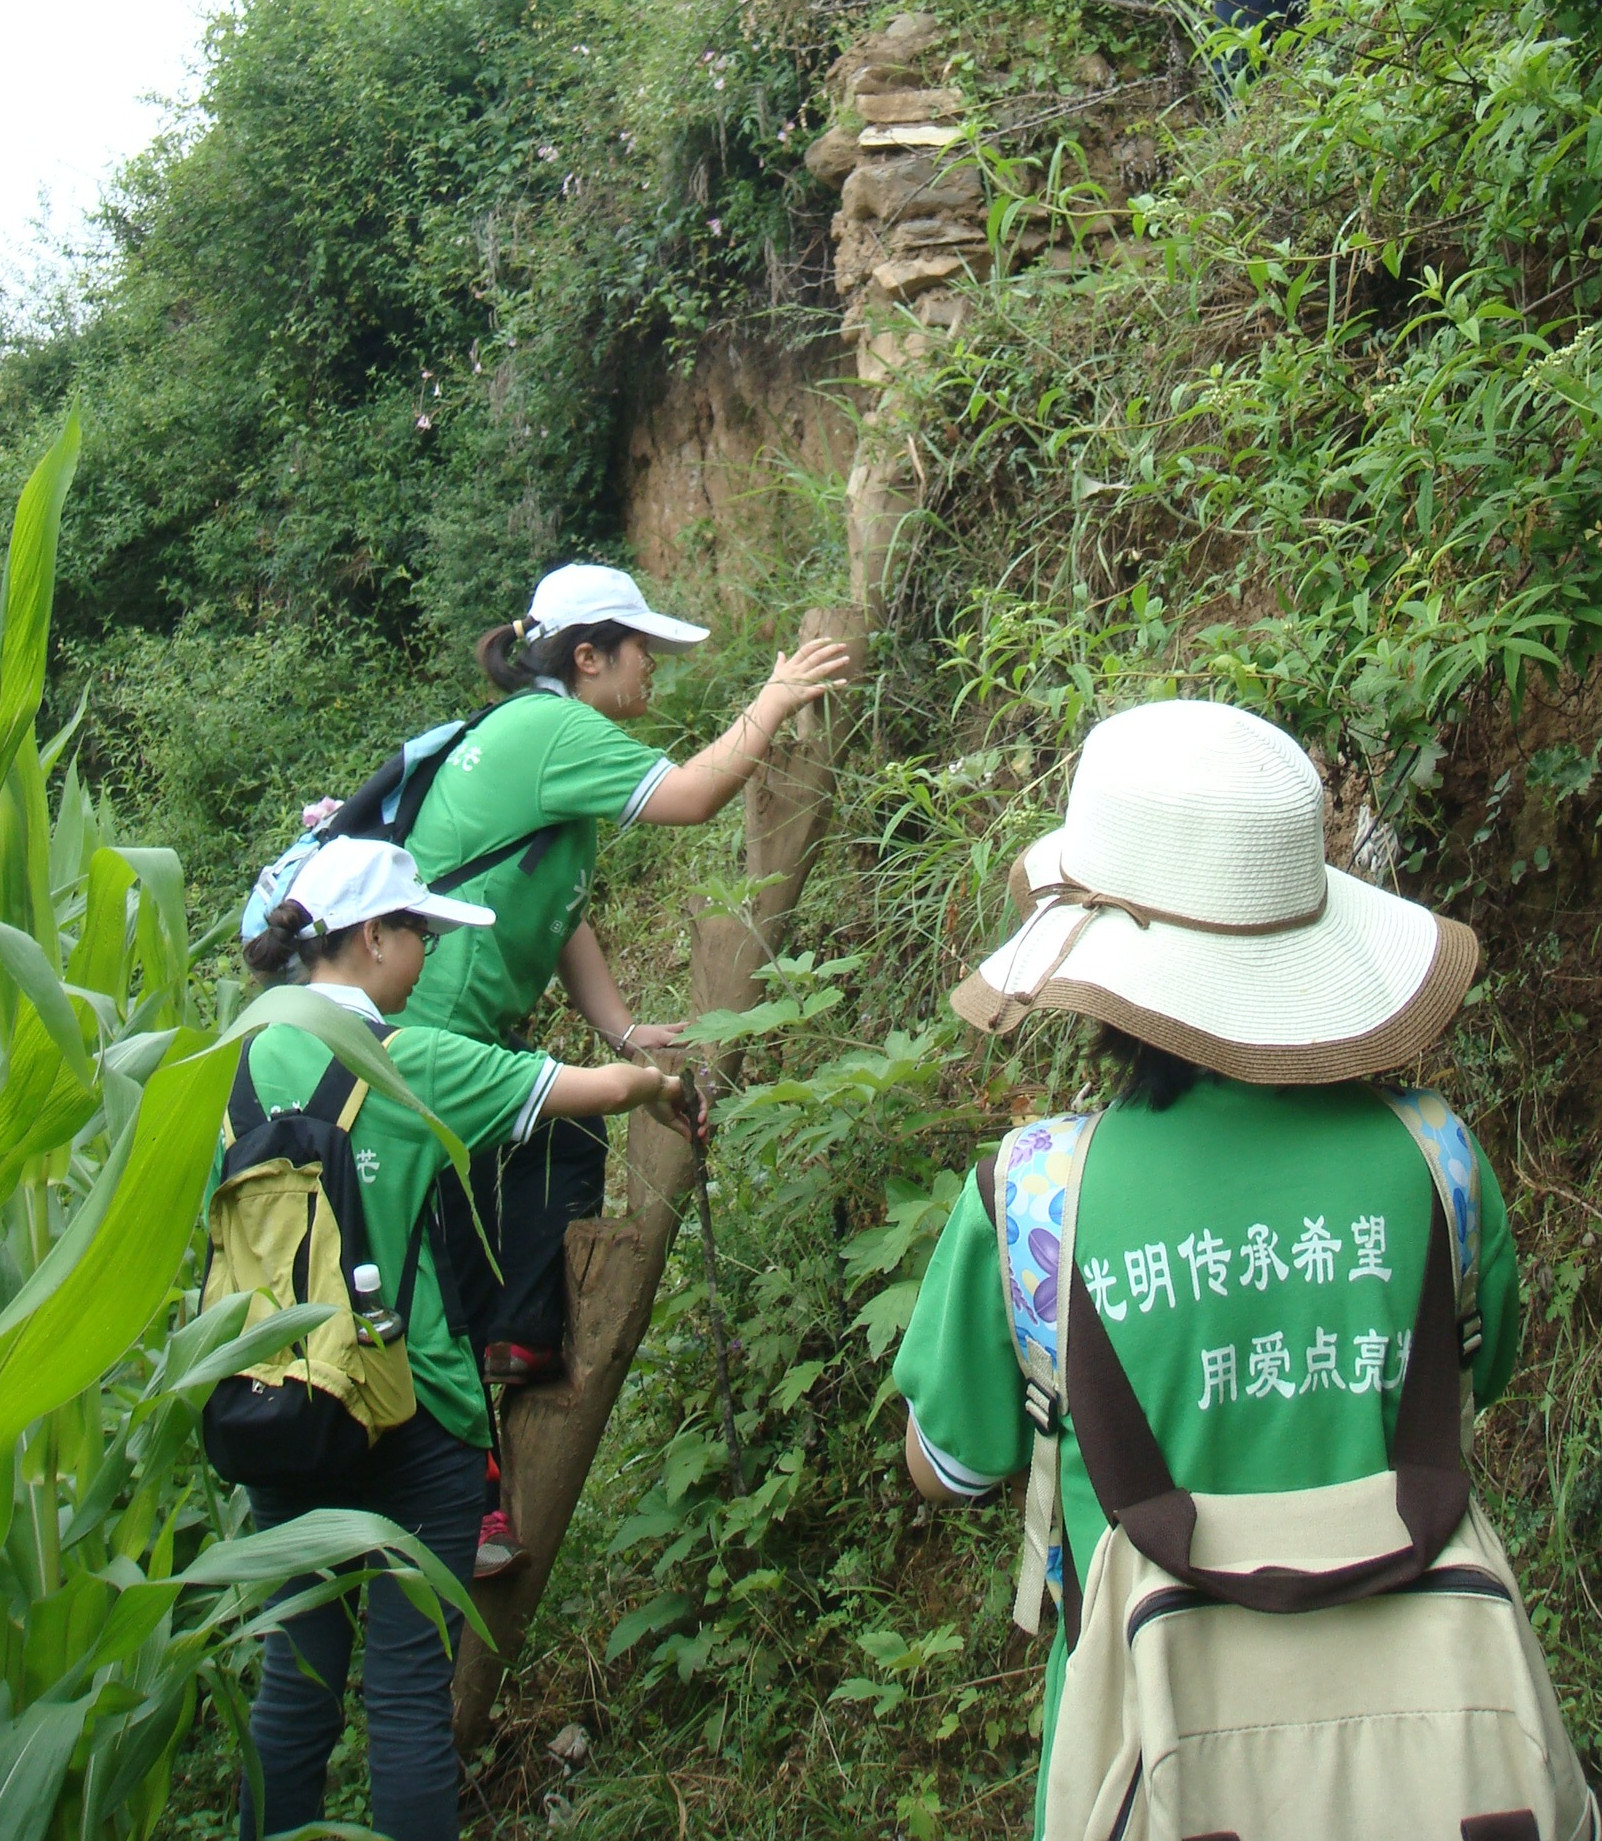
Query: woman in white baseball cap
(553,759)
(358,926)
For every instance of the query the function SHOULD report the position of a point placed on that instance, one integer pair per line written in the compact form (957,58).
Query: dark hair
(1148,1076)
(274,954)
(513,666)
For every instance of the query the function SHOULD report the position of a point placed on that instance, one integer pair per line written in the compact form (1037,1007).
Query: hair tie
(517,629)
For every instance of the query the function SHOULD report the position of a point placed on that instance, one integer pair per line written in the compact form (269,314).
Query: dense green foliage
(357,365)
(1316,429)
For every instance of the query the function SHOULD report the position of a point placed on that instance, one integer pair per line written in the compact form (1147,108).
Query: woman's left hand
(651,1038)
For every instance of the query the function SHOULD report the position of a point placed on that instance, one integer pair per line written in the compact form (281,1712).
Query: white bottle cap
(368,1279)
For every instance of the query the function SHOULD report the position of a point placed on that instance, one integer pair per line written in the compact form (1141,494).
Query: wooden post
(550,1433)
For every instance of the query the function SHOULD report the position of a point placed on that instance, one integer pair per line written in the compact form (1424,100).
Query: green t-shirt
(539,759)
(488,1096)
(1256,1255)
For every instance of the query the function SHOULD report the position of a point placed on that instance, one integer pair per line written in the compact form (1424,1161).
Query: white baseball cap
(584,594)
(356,879)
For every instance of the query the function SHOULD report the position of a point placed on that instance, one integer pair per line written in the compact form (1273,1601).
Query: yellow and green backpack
(287,1224)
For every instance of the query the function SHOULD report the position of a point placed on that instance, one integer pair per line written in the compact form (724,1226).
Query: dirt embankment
(710,447)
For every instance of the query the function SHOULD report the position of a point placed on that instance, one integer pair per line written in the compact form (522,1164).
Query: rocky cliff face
(913,204)
(912,223)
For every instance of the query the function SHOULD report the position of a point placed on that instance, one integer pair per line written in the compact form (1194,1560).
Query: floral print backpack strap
(1038,1172)
(1443,1139)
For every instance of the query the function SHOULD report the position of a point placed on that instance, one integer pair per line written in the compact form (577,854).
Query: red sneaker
(498,1549)
(509,1364)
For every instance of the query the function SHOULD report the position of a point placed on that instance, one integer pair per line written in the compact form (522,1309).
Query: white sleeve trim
(529,1117)
(643,792)
(958,1478)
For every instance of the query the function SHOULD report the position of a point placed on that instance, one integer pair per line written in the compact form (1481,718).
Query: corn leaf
(320,1541)
(101,1283)
(95,1291)
(23,960)
(42,1104)
(100,960)
(354,1043)
(27,894)
(253,1346)
(35,1750)
(26,589)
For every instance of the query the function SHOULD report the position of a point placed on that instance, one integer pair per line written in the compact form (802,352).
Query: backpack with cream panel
(1348,1663)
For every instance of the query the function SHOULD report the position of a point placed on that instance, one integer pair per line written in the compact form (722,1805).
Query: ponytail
(512,665)
(503,659)
(278,951)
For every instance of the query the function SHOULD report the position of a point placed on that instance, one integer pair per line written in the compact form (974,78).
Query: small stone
(925,236)
(911,186)
(833,156)
(1094,72)
(905,280)
(878,80)
(881,356)
(940,307)
(571,1746)
(911,33)
(919,134)
(910,105)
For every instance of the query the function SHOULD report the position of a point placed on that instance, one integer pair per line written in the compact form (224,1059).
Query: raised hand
(815,668)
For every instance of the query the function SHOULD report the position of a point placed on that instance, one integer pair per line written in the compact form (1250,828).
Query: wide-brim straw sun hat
(1186,901)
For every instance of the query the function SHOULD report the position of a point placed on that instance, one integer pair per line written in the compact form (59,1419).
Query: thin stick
(720,1346)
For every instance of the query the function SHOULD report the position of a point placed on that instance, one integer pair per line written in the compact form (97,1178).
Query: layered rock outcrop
(913,224)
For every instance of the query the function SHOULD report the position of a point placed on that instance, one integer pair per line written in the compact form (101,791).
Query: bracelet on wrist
(623,1040)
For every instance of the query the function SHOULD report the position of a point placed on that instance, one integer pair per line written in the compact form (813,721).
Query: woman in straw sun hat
(1252,1216)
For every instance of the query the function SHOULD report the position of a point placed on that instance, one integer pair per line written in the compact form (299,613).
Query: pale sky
(78,77)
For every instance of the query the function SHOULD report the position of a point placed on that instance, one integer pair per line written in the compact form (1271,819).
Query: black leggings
(526,1197)
(432,1484)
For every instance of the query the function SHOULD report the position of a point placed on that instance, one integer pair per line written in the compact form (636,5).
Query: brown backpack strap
(1135,1488)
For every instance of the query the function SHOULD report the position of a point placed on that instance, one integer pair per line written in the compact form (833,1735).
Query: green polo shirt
(488,1096)
(1256,1256)
(537,760)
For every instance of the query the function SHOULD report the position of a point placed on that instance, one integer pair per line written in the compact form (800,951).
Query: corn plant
(128,1585)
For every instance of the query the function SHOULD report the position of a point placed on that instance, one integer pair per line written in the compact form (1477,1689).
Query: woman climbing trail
(360,928)
(1239,1285)
(544,767)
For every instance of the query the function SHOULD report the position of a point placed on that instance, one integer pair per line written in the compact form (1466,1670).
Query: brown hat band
(1095,901)
(1077,894)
